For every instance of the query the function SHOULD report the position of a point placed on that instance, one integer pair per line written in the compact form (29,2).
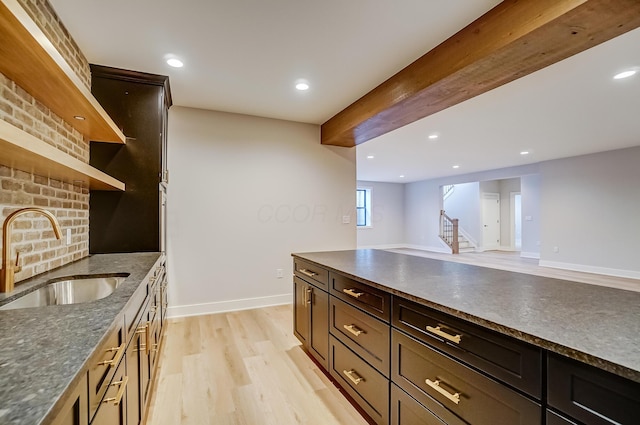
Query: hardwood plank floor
(511,261)
(242,368)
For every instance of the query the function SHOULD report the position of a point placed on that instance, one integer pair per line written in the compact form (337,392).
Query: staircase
(451,235)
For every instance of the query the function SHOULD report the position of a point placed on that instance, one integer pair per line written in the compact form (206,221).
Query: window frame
(367,207)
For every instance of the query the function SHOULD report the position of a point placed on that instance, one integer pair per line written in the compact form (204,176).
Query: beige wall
(244,193)
(32,235)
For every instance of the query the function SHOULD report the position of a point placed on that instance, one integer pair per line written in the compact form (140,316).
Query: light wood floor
(511,261)
(242,367)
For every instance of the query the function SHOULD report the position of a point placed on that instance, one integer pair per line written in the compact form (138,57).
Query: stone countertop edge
(380,269)
(45,350)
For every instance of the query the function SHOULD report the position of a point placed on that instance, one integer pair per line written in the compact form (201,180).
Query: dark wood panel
(301,294)
(442,384)
(362,382)
(366,335)
(590,395)
(363,296)
(512,40)
(129,221)
(555,419)
(514,362)
(110,412)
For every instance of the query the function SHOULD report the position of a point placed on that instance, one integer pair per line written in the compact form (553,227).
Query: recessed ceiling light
(79,117)
(401,176)
(456,166)
(524,153)
(433,136)
(302,86)
(176,63)
(370,156)
(625,74)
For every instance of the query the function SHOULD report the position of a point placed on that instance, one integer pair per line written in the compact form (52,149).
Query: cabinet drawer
(514,362)
(363,383)
(364,334)
(113,406)
(405,410)
(311,272)
(591,395)
(103,367)
(370,299)
(439,382)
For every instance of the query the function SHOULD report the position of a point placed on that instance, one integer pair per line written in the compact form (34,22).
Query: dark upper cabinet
(130,221)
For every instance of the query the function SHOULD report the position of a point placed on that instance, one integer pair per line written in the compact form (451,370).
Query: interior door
(490,220)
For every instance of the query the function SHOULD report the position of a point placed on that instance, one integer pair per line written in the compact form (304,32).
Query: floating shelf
(25,152)
(29,59)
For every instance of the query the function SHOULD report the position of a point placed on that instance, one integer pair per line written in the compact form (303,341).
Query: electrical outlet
(346,219)
(68,237)
(556,249)
(279,273)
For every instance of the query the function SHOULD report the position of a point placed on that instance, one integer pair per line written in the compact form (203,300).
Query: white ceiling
(245,56)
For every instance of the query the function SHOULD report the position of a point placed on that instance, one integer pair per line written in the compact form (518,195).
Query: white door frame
(493,197)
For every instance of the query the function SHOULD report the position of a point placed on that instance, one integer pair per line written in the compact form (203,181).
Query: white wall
(590,210)
(464,204)
(244,193)
(387,216)
(530,190)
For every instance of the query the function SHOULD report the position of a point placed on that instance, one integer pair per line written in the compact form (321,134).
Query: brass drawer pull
(353,376)
(118,398)
(116,359)
(308,273)
(147,339)
(438,331)
(436,386)
(354,329)
(353,293)
(309,295)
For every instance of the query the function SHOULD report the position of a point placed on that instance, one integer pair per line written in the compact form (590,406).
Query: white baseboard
(631,274)
(534,255)
(226,306)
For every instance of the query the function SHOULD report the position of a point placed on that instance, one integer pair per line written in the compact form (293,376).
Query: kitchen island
(554,321)
(45,352)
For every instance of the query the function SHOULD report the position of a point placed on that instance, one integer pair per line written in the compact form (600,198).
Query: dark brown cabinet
(589,395)
(130,221)
(113,408)
(75,410)
(311,319)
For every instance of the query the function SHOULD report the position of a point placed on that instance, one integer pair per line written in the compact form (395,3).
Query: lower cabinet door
(76,409)
(134,407)
(301,301)
(319,332)
(368,387)
(555,419)
(113,408)
(405,410)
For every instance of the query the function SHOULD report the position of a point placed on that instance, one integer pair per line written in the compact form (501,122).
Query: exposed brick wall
(46,18)
(32,234)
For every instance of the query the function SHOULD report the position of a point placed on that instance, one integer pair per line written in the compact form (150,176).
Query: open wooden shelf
(25,152)
(29,59)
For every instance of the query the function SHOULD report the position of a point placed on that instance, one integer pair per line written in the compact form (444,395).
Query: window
(363,207)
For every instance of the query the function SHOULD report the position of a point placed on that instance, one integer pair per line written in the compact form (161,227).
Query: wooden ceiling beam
(514,39)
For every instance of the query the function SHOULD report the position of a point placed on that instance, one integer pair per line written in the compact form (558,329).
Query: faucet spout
(7,274)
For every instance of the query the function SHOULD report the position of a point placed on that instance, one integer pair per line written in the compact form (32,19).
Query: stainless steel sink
(68,291)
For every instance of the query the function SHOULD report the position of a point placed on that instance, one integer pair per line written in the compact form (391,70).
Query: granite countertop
(593,324)
(43,350)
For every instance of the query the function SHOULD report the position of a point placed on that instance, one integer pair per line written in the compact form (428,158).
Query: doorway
(516,221)
(490,220)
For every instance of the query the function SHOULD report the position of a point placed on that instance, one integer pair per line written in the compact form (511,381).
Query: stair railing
(449,232)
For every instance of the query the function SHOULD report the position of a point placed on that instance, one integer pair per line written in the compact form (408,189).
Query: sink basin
(68,291)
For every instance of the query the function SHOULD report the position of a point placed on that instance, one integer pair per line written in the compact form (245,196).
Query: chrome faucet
(8,270)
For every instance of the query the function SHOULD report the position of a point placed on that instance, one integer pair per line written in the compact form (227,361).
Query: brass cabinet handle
(354,329)
(116,359)
(353,376)
(308,273)
(147,345)
(353,293)
(438,331)
(436,386)
(309,295)
(118,398)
